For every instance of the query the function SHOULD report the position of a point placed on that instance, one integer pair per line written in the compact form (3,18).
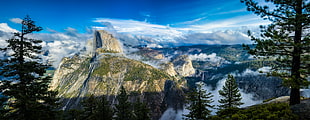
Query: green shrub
(274,111)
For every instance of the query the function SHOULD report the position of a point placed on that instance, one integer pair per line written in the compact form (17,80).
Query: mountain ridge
(104,70)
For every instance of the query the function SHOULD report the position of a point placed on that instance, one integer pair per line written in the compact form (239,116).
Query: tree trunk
(296,61)
(294,96)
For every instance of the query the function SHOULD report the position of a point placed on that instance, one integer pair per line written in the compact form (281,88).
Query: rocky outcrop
(169,68)
(105,42)
(152,54)
(67,66)
(183,65)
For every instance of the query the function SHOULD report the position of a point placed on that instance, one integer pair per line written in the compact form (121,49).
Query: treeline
(200,108)
(99,108)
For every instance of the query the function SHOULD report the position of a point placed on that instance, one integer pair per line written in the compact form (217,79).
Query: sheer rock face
(106,41)
(169,68)
(183,66)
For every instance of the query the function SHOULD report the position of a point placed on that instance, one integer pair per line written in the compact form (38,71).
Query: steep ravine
(83,91)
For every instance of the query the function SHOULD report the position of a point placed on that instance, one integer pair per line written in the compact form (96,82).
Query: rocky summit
(103,73)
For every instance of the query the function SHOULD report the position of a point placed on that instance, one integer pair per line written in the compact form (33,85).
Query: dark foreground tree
(286,39)
(231,97)
(89,108)
(123,108)
(141,111)
(3,111)
(104,110)
(24,82)
(200,102)
(96,109)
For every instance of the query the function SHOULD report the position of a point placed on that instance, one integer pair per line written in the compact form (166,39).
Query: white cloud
(230,12)
(139,27)
(62,45)
(6,33)
(16,20)
(204,57)
(264,69)
(5,28)
(193,21)
(51,30)
(57,44)
(172,114)
(260,71)
(229,31)
(59,49)
(231,23)
(159,33)
(217,37)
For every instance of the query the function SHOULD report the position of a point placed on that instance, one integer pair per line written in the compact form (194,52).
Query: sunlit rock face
(169,68)
(106,41)
(183,66)
(106,70)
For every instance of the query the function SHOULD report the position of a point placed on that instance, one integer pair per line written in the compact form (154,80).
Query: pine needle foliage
(24,82)
(200,103)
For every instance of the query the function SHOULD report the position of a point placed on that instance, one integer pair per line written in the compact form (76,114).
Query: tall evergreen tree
(286,39)
(141,111)
(3,111)
(96,109)
(89,108)
(24,81)
(104,110)
(200,102)
(231,96)
(73,114)
(123,108)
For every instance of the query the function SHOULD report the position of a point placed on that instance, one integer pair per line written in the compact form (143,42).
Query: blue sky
(69,24)
(59,15)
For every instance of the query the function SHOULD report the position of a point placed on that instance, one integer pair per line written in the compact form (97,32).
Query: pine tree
(104,110)
(96,109)
(231,96)
(89,108)
(25,84)
(141,111)
(73,114)
(199,101)
(2,106)
(286,39)
(123,108)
